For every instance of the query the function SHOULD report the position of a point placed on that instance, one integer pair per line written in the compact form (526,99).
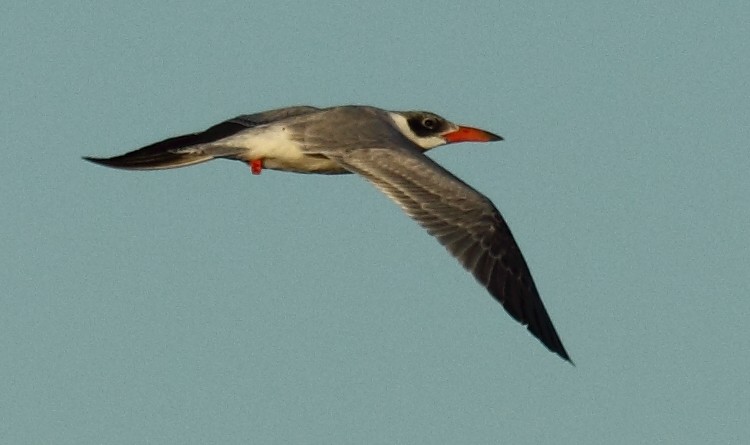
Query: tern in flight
(387,148)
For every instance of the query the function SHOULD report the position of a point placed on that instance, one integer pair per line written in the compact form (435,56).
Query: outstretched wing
(266,117)
(466,223)
(172,153)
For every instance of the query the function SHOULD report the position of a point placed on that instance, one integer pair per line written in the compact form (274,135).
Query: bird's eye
(429,123)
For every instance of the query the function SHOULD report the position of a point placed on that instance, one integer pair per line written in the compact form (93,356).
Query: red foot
(256,166)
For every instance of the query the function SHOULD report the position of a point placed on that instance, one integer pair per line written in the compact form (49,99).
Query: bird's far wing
(266,117)
(466,223)
(194,148)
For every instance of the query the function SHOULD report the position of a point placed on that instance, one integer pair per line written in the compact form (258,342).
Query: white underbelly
(278,151)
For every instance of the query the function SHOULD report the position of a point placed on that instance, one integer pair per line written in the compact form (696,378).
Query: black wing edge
(514,288)
(162,154)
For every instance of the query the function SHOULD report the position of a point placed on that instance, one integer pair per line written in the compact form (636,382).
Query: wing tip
(550,339)
(114,162)
(564,354)
(98,161)
(555,345)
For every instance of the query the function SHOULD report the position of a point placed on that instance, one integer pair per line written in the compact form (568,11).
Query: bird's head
(428,130)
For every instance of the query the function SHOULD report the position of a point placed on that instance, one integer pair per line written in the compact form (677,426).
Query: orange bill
(470,134)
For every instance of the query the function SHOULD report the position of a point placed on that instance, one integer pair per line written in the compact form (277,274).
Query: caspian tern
(386,148)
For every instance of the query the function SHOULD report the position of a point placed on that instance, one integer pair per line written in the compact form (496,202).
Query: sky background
(208,305)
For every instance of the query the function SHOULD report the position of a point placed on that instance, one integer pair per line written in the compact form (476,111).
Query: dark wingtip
(107,162)
(552,341)
(564,354)
(121,162)
(559,349)
(100,161)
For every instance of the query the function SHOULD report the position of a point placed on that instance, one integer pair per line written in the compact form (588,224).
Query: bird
(386,148)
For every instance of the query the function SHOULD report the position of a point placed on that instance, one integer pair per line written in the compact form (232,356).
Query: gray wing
(466,223)
(266,117)
(176,151)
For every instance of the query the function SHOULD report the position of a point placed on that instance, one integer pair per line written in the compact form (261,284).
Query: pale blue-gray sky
(208,305)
